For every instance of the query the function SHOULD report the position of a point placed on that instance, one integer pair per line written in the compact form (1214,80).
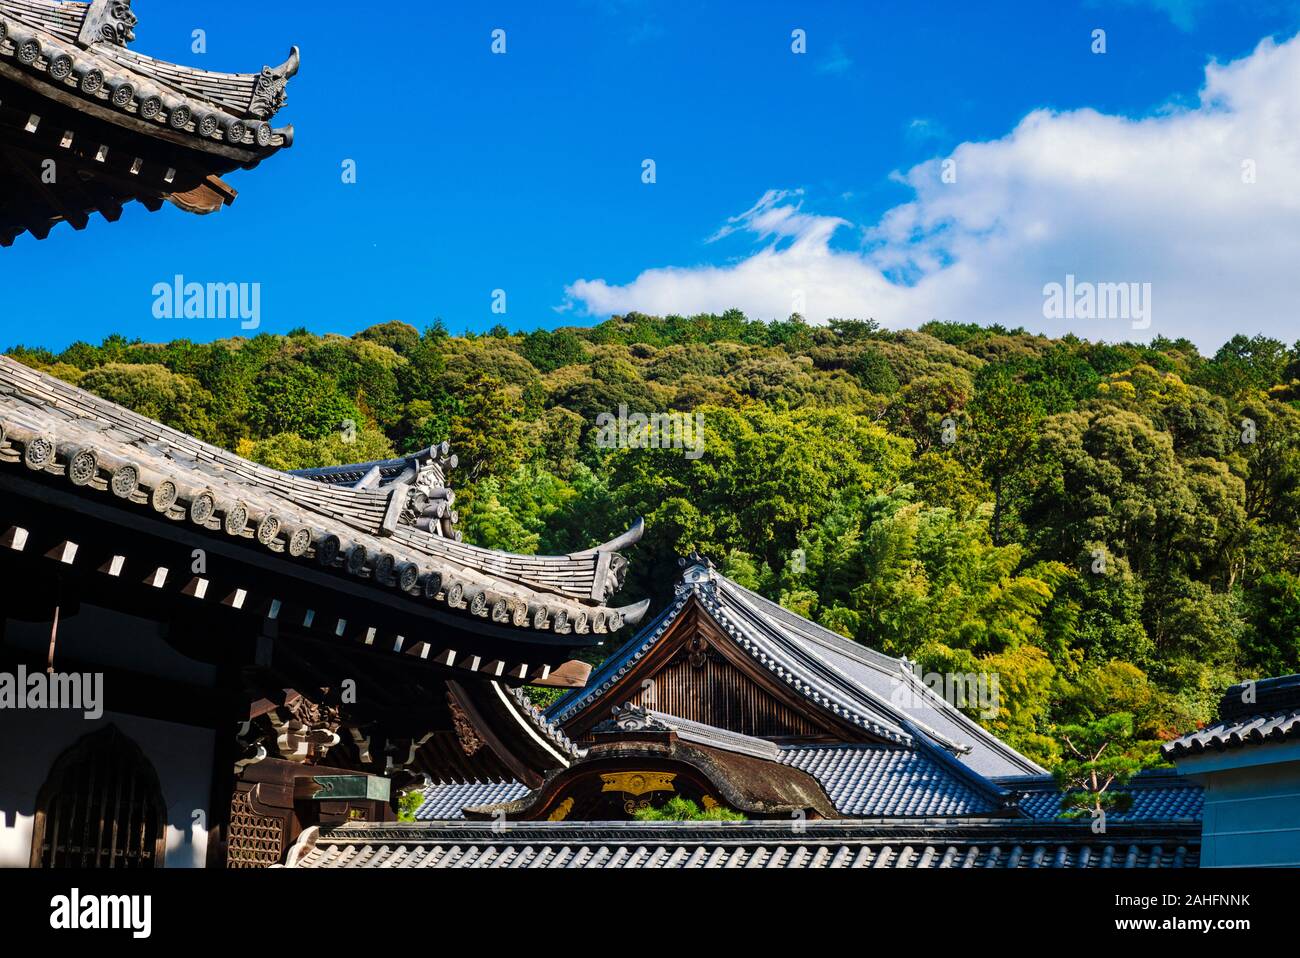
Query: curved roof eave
(57,429)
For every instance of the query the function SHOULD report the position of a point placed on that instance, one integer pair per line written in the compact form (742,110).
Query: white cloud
(1159,200)
(838,61)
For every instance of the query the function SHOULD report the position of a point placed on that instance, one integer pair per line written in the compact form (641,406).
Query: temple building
(201,656)
(1249,765)
(205,662)
(834,755)
(88,125)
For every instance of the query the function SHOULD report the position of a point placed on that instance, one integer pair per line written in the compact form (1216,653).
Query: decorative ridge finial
(108,21)
(631,717)
(429,500)
(697,570)
(270,92)
(695,558)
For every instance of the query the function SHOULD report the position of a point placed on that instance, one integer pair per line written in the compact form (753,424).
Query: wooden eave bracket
(573,674)
(208,197)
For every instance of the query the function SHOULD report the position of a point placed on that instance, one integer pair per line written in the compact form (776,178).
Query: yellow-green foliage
(1100,526)
(678,809)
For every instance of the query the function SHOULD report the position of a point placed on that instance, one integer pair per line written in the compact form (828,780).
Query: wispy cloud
(1198,201)
(837,62)
(922,130)
(777,215)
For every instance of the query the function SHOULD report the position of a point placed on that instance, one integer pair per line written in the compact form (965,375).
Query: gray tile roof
(867,781)
(858,685)
(1158,796)
(1251,713)
(552,732)
(446,800)
(57,429)
(887,684)
(879,781)
(710,735)
(816,844)
(215,112)
(1237,733)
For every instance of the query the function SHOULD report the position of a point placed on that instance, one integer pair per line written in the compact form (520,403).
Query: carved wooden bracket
(466,734)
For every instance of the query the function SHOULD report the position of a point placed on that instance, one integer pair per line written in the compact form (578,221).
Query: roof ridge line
(819,669)
(964,719)
(1001,796)
(864,655)
(821,634)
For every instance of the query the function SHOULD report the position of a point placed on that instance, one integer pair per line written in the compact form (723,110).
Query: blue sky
(523,172)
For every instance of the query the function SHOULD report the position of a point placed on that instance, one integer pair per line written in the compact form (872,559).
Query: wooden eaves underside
(88,125)
(58,165)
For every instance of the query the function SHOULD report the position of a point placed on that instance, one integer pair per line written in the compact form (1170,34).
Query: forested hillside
(1104,527)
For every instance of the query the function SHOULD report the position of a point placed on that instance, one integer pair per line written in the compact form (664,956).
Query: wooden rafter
(17,164)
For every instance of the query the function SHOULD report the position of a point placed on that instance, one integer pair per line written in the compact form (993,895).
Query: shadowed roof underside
(88,125)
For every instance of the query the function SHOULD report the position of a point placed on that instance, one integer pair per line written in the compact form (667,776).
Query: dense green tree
(873,372)
(1272,646)
(401,338)
(1246,364)
(488,430)
(548,350)
(1004,427)
(930,410)
(288,451)
(1104,528)
(300,399)
(1269,438)
(762,476)
(156,392)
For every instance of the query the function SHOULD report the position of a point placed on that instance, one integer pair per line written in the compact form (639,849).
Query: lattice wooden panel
(100,808)
(254,841)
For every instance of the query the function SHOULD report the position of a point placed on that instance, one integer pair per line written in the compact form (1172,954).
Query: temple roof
(449,799)
(375,534)
(1250,714)
(861,781)
(814,844)
(118,125)
(877,693)
(1153,795)
(934,765)
(880,781)
(872,781)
